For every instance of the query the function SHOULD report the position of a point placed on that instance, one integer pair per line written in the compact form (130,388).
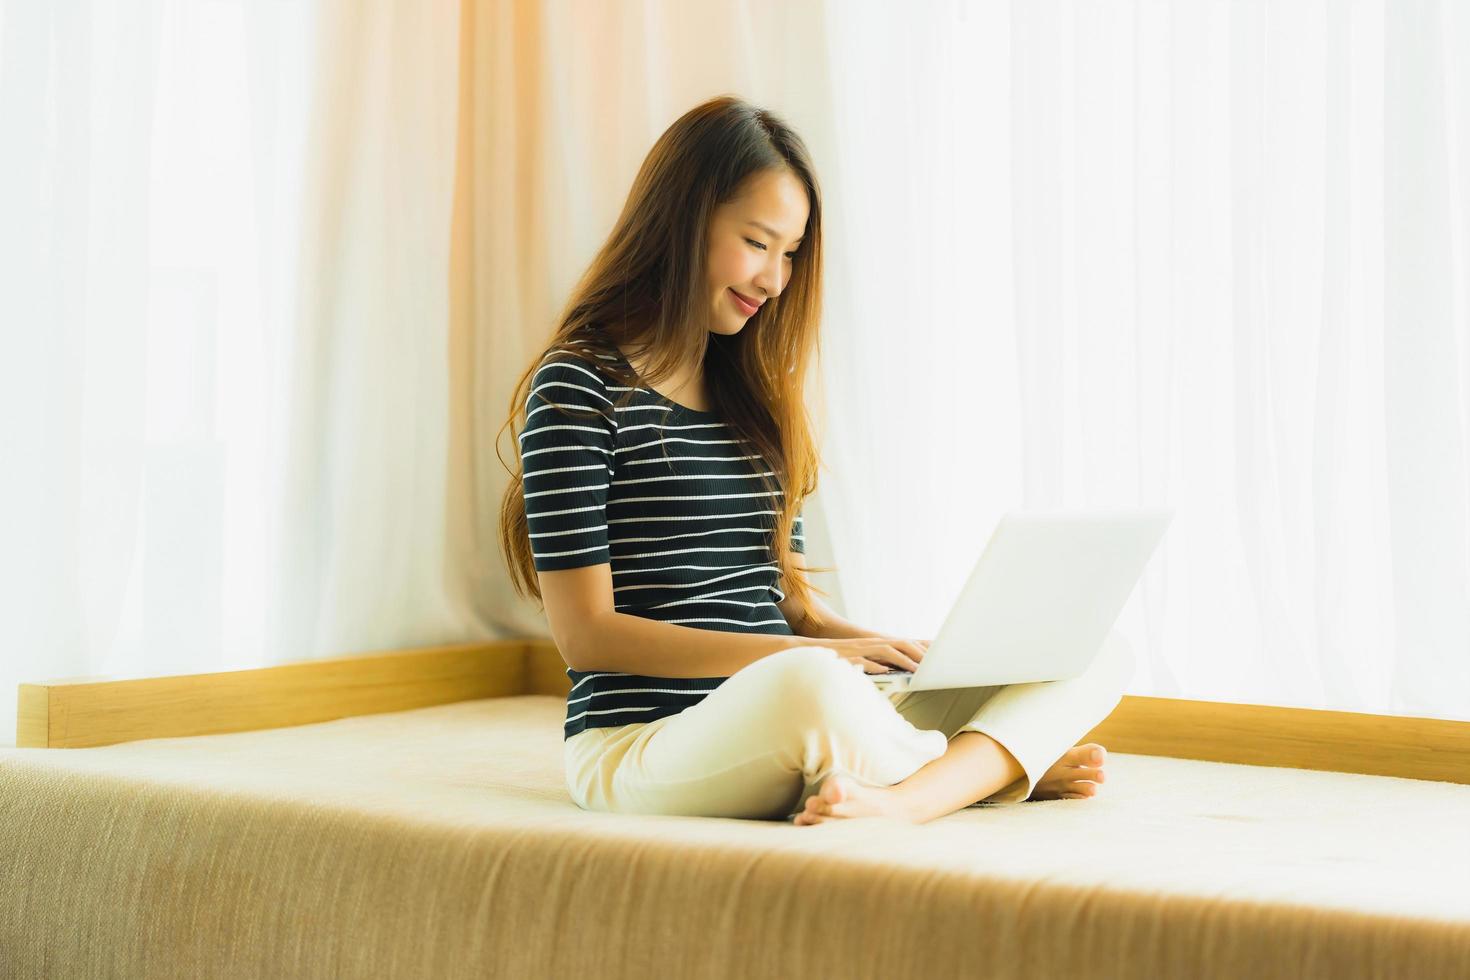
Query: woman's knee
(809,682)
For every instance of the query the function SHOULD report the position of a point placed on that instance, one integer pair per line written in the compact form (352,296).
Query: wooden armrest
(80,712)
(86,711)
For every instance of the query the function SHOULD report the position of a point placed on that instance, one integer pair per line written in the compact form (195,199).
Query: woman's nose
(769,279)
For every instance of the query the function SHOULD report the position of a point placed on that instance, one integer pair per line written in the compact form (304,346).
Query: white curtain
(269,270)
(223,296)
(150,185)
(1209,254)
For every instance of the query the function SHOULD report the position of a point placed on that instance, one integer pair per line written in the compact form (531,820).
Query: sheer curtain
(149,185)
(223,295)
(1208,254)
(269,272)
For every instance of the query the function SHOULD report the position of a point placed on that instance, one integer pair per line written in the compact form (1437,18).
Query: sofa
(404,814)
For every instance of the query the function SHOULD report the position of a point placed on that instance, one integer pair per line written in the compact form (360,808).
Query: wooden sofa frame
(89,711)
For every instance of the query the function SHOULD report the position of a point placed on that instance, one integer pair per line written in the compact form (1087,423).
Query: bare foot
(1075,776)
(840,797)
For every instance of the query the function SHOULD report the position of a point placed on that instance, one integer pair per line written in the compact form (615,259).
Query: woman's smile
(744,305)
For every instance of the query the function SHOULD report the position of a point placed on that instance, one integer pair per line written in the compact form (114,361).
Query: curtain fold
(363,537)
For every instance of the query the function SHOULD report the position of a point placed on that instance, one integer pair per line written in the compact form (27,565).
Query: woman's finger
(901,660)
(910,649)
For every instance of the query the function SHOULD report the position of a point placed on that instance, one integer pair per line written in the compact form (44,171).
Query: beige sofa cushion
(441,842)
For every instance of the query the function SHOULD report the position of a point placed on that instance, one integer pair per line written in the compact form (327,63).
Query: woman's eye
(789,255)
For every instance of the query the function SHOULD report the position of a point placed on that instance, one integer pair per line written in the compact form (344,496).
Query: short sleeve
(567,463)
(798,535)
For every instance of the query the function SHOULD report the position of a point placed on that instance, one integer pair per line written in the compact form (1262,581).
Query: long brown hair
(643,287)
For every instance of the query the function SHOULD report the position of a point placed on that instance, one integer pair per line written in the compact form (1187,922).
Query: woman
(665,455)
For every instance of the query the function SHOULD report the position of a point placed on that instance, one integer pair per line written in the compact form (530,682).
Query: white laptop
(1042,598)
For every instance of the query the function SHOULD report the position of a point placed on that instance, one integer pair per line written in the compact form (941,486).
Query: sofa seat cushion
(441,842)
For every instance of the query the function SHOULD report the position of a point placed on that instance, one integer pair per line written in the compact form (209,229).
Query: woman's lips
(745,307)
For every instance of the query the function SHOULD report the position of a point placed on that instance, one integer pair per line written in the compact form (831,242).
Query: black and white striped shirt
(671,499)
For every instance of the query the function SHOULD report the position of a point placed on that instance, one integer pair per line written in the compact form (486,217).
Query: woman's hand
(880,654)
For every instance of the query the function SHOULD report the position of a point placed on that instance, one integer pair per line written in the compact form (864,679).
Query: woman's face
(752,240)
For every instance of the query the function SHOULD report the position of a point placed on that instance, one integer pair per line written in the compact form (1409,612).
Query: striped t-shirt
(671,499)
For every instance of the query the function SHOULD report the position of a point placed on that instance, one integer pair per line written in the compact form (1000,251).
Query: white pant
(763,741)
